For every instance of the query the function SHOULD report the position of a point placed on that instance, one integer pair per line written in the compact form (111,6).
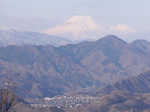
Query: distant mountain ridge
(13,37)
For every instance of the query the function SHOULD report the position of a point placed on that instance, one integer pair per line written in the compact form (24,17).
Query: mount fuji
(77,28)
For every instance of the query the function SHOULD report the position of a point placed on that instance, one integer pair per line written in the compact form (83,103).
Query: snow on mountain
(13,37)
(78,27)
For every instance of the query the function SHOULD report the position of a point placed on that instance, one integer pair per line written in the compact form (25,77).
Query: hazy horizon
(80,19)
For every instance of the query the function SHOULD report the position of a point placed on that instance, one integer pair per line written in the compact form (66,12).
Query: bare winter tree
(7,96)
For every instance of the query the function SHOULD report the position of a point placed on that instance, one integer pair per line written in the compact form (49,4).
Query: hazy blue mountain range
(48,71)
(13,37)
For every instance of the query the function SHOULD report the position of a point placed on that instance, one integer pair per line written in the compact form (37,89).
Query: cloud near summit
(122,28)
(84,27)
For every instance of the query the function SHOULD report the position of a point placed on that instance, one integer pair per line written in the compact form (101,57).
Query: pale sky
(115,16)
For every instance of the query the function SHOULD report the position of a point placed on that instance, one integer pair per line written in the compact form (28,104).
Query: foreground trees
(7,96)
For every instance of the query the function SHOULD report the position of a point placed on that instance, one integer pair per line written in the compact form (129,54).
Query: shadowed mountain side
(135,84)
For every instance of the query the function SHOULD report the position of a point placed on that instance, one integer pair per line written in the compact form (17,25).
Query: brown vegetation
(7,96)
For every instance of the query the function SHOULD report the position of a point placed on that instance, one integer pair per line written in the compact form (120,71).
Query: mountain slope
(43,70)
(109,58)
(135,84)
(142,44)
